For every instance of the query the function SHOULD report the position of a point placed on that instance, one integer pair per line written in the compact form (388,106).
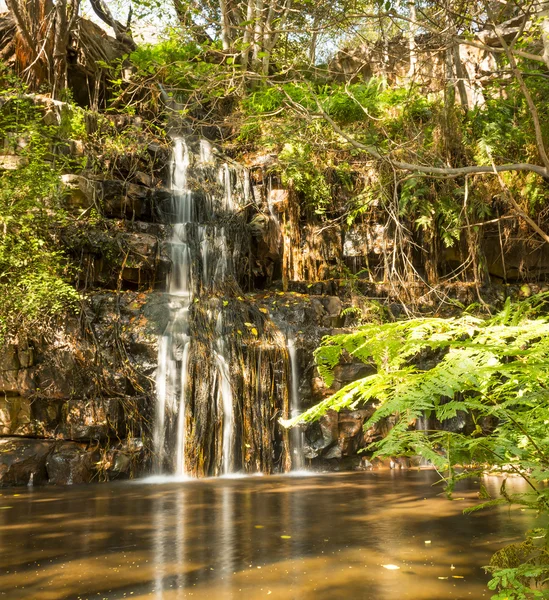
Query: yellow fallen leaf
(254,331)
(249,324)
(286,537)
(457,576)
(264,310)
(443,577)
(259,526)
(427,541)
(391,567)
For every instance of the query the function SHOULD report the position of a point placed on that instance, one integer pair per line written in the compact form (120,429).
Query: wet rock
(351,437)
(321,434)
(125,459)
(160,203)
(70,463)
(333,452)
(23,461)
(140,259)
(329,426)
(346,463)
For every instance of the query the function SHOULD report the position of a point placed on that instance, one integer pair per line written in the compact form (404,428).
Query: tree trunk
(225,25)
(412,41)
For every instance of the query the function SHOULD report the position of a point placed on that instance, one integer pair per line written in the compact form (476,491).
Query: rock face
(78,406)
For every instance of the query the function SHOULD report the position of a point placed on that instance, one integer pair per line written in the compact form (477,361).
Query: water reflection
(322,537)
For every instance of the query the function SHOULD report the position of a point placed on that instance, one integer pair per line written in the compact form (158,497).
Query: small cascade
(222,376)
(296,433)
(422,423)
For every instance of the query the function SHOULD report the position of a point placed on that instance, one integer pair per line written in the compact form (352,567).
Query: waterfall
(174,346)
(226,398)
(222,372)
(296,434)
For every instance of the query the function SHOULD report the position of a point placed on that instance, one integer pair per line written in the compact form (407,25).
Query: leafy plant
(33,271)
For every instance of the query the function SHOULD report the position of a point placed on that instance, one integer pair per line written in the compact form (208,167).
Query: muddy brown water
(320,537)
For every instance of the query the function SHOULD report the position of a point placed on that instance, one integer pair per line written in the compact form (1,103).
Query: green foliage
(33,271)
(494,369)
(300,173)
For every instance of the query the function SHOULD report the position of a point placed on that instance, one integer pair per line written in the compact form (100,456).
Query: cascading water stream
(219,358)
(225,398)
(296,434)
(174,346)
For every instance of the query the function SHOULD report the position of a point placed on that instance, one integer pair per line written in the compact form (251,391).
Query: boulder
(23,461)
(70,463)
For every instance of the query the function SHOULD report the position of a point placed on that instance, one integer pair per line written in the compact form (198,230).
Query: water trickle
(206,152)
(296,434)
(225,180)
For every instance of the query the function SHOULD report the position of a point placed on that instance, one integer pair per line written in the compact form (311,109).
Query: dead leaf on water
(391,567)
(286,537)
(457,576)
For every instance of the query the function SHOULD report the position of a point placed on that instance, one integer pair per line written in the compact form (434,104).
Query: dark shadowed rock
(70,463)
(23,461)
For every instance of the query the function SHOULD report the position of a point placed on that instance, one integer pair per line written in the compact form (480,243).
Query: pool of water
(318,537)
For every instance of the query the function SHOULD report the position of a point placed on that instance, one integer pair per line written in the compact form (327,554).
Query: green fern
(496,370)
